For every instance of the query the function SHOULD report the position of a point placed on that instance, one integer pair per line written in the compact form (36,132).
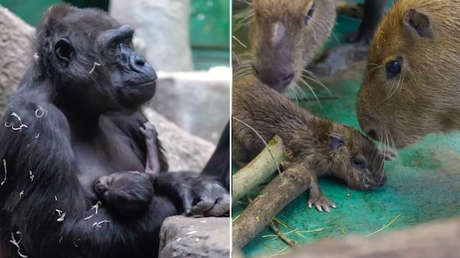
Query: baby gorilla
(126,193)
(130,193)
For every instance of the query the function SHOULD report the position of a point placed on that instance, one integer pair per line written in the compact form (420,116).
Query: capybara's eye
(310,13)
(359,162)
(393,68)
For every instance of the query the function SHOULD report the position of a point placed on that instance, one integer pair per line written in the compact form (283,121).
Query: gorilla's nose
(99,187)
(137,63)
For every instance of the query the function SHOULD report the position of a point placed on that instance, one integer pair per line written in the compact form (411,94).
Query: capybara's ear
(336,141)
(418,23)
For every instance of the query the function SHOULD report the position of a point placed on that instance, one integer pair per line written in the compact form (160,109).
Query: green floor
(423,183)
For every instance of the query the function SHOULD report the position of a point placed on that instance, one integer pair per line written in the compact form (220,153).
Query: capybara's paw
(321,203)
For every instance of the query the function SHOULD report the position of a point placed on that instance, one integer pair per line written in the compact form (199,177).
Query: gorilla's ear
(64,50)
(418,23)
(336,141)
(56,13)
(52,18)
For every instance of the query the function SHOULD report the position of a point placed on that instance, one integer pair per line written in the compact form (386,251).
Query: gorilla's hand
(205,196)
(198,195)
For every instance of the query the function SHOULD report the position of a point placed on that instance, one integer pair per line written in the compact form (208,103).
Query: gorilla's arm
(218,165)
(147,145)
(154,152)
(186,189)
(194,194)
(201,194)
(42,200)
(39,171)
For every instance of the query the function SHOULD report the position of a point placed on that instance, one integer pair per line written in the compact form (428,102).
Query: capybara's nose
(369,127)
(287,79)
(371,133)
(276,77)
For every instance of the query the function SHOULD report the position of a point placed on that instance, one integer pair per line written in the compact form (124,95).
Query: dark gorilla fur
(75,118)
(218,166)
(127,193)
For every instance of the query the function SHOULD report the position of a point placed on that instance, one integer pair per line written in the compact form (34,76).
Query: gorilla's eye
(63,50)
(128,41)
(393,68)
(309,14)
(359,162)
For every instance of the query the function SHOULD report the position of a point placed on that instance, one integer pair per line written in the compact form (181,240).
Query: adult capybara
(412,80)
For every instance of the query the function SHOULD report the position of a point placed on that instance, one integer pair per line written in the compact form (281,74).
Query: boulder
(16,49)
(163,25)
(198,102)
(195,237)
(183,150)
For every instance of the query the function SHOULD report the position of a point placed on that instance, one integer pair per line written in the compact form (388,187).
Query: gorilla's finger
(187,201)
(221,207)
(203,206)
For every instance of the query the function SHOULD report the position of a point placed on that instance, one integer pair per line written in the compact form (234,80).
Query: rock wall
(164,26)
(183,150)
(195,237)
(15,47)
(198,102)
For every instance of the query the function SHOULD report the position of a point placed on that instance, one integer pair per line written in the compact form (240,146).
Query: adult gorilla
(76,118)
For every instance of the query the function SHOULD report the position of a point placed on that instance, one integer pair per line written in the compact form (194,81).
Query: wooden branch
(259,170)
(277,194)
(278,233)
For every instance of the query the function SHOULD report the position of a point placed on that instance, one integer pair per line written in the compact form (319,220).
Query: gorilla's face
(91,59)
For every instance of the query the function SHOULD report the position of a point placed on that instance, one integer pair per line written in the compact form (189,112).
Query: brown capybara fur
(285,35)
(412,84)
(329,148)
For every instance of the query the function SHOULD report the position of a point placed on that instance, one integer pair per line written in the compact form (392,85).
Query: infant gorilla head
(128,193)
